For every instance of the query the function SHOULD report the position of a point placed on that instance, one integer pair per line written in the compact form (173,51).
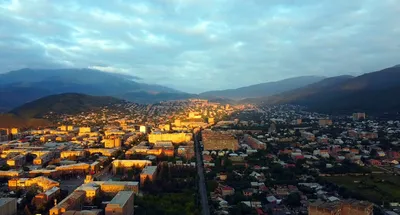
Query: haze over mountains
(374,92)
(371,92)
(264,89)
(25,85)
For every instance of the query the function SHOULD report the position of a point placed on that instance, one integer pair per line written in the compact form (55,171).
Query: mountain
(264,89)
(67,103)
(147,97)
(12,121)
(373,93)
(25,85)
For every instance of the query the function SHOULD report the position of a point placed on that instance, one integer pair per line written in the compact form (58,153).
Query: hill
(25,85)
(12,121)
(67,103)
(372,93)
(147,97)
(264,89)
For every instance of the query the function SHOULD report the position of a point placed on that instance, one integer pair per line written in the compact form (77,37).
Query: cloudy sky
(197,45)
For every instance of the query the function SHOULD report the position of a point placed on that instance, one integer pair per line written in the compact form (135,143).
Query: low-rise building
(8,206)
(148,172)
(121,204)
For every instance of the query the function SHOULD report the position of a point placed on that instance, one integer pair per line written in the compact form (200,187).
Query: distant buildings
(346,207)
(219,140)
(254,143)
(112,142)
(325,122)
(22,183)
(359,116)
(173,137)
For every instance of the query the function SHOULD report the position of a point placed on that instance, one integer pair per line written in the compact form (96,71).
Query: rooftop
(121,198)
(4,201)
(149,170)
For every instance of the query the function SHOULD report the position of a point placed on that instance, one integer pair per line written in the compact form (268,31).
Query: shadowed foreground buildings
(8,206)
(345,207)
(121,204)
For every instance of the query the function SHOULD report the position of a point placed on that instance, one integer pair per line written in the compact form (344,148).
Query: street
(71,184)
(200,171)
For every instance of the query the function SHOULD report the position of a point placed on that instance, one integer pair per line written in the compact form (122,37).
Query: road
(71,184)
(202,184)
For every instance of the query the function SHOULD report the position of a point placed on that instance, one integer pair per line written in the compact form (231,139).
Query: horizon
(193,45)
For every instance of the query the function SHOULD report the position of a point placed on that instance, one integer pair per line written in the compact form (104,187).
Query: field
(374,188)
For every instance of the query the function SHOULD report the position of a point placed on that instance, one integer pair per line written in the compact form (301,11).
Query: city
(199,107)
(200,157)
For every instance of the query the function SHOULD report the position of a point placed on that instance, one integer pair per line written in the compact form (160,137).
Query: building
(143,129)
(48,196)
(254,143)
(74,201)
(83,130)
(113,187)
(72,154)
(42,157)
(148,172)
(129,164)
(347,207)
(121,204)
(17,161)
(43,182)
(8,206)
(112,142)
(325,122)
(172,137)
(163,145)
(219,140)
(10,173)
(103,151)
(359,116)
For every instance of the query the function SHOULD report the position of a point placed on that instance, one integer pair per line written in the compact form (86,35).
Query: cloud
(195,45)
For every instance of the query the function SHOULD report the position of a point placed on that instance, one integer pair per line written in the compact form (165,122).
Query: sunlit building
(173,137)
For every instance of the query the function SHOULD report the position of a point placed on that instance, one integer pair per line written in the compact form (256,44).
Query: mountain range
(263,89)
(373,93)
(25,85)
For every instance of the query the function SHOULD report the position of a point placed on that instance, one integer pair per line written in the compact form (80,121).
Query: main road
(200,171)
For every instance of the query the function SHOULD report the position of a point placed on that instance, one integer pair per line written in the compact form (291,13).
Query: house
(375,162)
(248,192)
(226,190)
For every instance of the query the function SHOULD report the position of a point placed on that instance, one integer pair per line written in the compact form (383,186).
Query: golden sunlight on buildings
(173,137)
(129,164)
(43,182)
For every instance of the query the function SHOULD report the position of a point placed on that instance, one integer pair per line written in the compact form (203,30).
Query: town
(201,157)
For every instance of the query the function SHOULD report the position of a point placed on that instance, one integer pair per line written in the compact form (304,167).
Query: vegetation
(168,204)
(68,103)
(374,188)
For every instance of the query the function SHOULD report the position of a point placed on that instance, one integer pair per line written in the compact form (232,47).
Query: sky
(200,45)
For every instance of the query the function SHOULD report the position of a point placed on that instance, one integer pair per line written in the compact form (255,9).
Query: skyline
(194,46)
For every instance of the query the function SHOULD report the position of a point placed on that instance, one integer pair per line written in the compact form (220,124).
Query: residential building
(121,204)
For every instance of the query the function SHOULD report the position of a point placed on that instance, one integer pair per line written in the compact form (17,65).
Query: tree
(5,167)
(294,199)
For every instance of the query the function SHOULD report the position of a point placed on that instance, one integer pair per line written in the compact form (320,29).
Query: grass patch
(374,188)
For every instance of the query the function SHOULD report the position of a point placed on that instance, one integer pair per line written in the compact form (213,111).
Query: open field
(375,188)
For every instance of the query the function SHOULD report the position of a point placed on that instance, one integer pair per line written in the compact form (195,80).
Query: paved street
(202,185)
(71,184)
